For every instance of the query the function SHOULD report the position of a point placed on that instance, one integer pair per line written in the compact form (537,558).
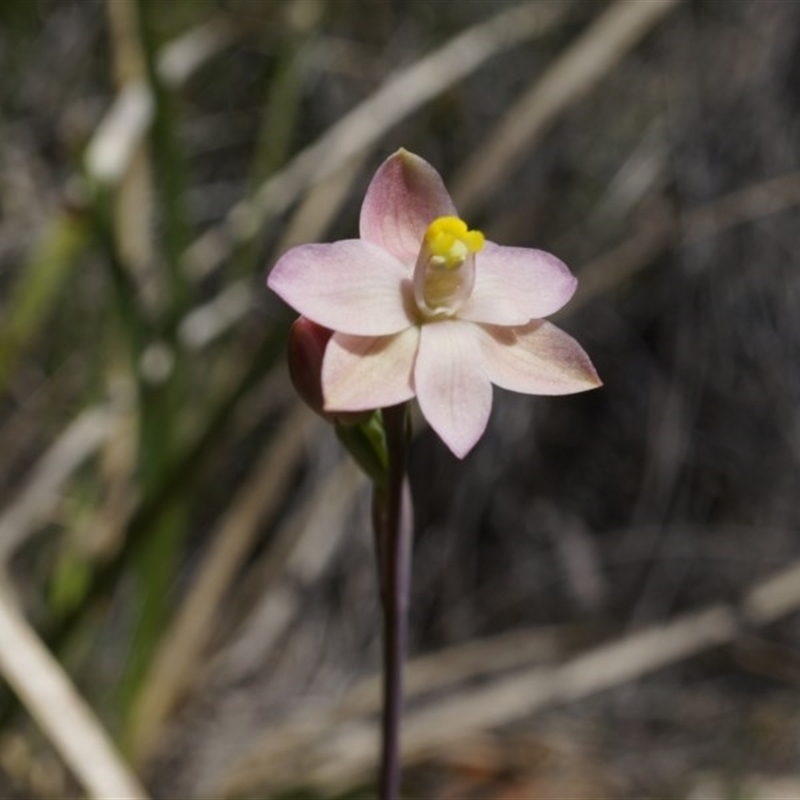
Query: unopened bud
(306,349)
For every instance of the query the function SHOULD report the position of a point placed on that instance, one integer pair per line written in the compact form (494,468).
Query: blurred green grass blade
(145,523)
(38,287)
(280,114)
(182,473)
(70,580)
(274,145)
(154,558)
(169,162)
(155,561)
(285,91)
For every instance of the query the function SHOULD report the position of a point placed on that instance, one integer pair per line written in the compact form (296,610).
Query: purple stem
(393,539)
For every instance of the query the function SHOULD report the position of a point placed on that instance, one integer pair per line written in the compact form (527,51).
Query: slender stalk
(393,539)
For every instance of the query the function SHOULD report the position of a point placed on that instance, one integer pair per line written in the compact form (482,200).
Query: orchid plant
(419,306)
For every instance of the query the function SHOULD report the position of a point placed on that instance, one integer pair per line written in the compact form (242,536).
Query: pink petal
(349,286)
(515,284)
(537,358)
(406,194)
(453,392)
(365,372)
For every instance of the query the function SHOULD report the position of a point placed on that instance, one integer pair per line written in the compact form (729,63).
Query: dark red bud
(306,349)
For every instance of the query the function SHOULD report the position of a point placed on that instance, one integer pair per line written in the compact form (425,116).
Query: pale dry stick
(708,785)
(179,59)
(315,214)
(185,641)
(104,532)
(119,134)
(339,755)
(456,718)
(661,228)
(641,174)
(656,231)
(329,751)
(360,128)
(572,75)
(483,658)
(762,787)
(774,597)
(79,440)
(133,200)
(116,141)
(489,656)
(302,551)
(637,180)
(741,206)
(66,719)
(119,156)
(205,323)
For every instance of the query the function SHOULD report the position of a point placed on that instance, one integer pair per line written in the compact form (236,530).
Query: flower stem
(392,519)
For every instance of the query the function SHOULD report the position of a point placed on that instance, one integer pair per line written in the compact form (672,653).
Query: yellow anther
(474,241)
(449,239)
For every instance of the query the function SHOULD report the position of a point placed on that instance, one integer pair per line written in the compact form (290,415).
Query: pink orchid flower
(422,306)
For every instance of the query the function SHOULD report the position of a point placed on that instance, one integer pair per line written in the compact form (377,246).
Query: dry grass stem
(183,56)
(128,167)
(303,549)
(573,74)
(660,229)
(205,323)
(80,440)
(347,757)
(655,233)
(62,714)
(121,132)
(319,208)
(745,205)
(460,663)
(775,597)
(483,658)
(333,751)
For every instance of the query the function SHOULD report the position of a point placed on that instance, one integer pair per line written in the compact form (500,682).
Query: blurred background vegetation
(605,590)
